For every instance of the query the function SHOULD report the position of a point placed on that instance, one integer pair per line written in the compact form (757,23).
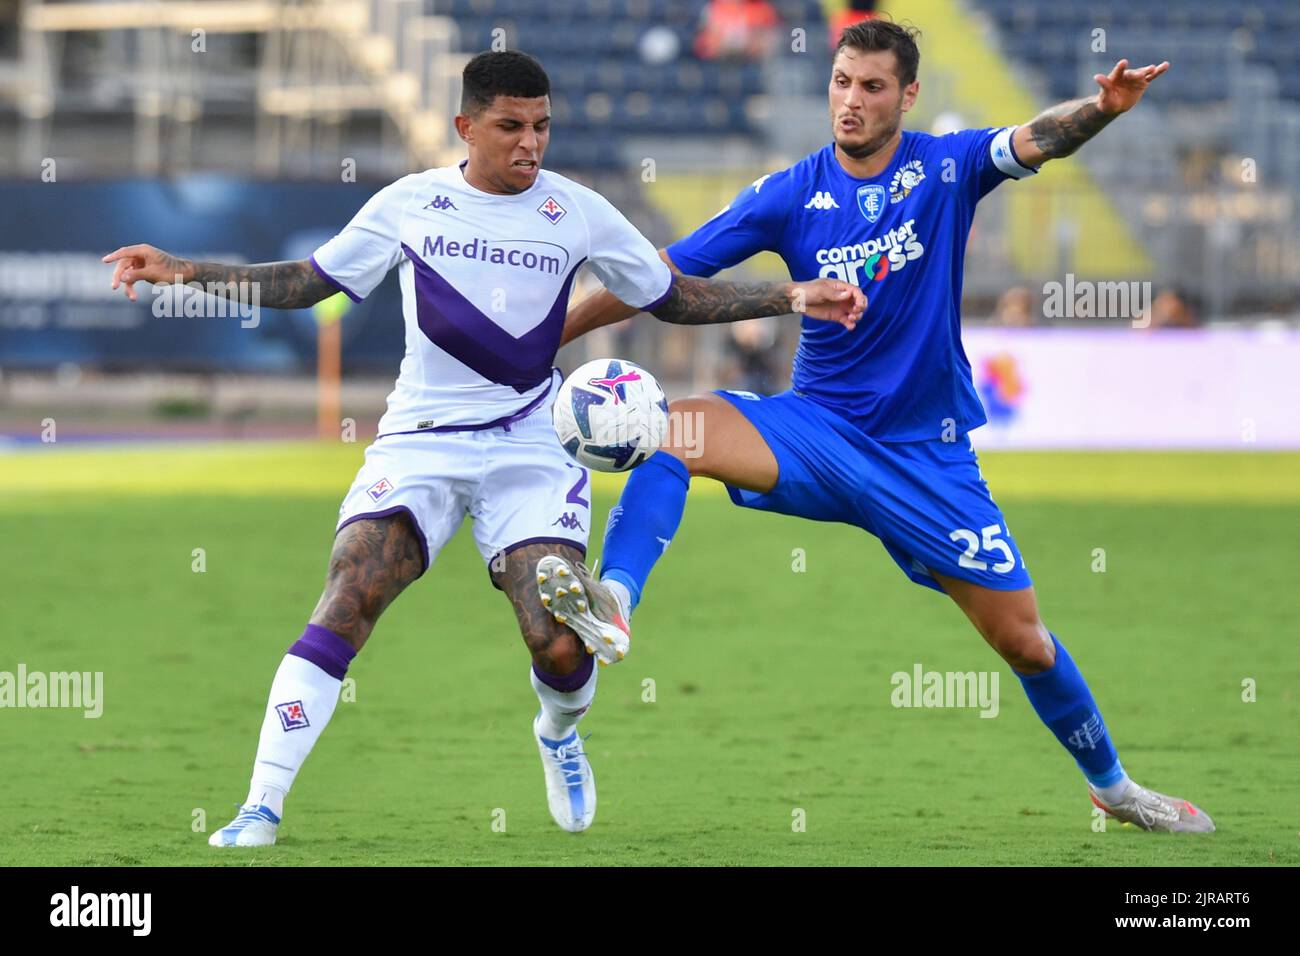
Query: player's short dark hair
(508,73)
(877,34)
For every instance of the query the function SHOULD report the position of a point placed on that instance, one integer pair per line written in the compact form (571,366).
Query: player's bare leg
(1009,622)
(554,647)
(564,677)
(712,439)
(372,561)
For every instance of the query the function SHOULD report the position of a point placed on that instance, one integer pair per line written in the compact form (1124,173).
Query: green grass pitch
(771,686)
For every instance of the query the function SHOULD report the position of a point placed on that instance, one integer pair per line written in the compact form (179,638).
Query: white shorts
(516,482)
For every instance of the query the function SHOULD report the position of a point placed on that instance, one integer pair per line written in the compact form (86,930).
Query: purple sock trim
(325,649)
(568,683)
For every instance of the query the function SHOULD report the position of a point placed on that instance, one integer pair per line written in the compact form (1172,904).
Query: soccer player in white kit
(486,252)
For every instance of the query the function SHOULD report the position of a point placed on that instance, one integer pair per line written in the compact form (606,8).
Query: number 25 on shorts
(990,543)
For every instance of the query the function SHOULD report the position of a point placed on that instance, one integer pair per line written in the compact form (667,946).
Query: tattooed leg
(563,677)
(372,562)
(554,647)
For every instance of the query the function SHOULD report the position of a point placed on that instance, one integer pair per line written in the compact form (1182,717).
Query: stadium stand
(290,89)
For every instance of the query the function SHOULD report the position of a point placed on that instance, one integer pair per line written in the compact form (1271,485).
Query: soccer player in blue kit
(874,431)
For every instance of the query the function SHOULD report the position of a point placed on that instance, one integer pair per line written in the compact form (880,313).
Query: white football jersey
(485,287)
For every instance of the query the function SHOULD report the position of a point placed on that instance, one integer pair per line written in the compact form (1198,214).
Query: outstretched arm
(600,309)
(1062,129)
(696,301)
(281,285)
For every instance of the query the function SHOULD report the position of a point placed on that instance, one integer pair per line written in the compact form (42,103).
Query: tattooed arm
(695,301)
(1062,129)
(281,285)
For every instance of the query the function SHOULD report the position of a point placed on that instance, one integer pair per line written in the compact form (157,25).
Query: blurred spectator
(755,362)
(855,12)
(1015,308)
(1169,310)
(737,30)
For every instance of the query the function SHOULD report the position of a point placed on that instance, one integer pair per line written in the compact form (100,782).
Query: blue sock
(644,521)
(1062,701)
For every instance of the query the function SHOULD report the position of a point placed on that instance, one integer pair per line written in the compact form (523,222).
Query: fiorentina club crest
(552,210)
(380,488)
(871,201)
(292,715)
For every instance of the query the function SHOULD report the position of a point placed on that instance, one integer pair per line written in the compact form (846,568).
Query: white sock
(561,711)
(301,702)
(622,595)
(267,796)
(1115,792)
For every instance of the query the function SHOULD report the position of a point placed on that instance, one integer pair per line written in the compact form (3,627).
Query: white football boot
(252,826)
(577,599)
(570,784)
(1155,811)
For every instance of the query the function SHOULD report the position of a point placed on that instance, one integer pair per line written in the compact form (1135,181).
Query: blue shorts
(925,500)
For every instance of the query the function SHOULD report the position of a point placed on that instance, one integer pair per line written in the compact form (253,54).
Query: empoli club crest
(871,201)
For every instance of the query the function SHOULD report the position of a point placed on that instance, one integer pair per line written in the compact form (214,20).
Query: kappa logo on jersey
(872,260)
(552,210)
(909,176)
(292,715)
(441,202)
(821,200)
(380,488)
(614,385)
(871,201)
(568,520)
(758,183)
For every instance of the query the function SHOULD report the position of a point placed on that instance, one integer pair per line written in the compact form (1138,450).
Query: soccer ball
(611,415)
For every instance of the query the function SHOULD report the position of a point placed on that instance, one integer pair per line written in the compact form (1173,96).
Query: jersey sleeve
(624,260)
(356,260)
(753,223)
(984,158)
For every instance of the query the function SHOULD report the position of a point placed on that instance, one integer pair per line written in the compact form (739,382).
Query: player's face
(507,140)
(866,101)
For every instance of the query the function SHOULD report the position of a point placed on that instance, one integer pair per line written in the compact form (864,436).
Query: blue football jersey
(902,375)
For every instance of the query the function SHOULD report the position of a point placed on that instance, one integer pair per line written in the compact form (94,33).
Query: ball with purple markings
(611,415)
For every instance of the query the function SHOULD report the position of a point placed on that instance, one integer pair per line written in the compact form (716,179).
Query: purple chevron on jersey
(459,328)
